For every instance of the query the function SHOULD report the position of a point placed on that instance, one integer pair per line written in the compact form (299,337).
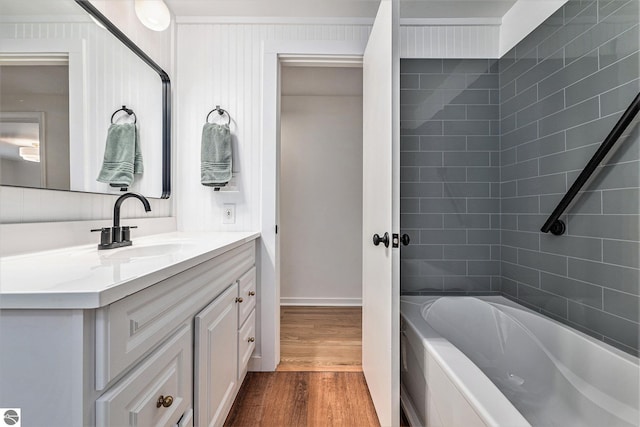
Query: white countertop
(82,277)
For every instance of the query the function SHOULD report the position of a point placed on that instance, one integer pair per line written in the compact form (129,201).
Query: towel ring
(221,112)
(129,111)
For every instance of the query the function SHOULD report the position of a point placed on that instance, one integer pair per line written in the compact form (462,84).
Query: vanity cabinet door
(246,344)
(130,328)
(216,358)
(247,284)
(186,420)
(163,377)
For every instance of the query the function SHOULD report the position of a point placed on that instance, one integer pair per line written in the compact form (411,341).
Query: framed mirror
(65,71)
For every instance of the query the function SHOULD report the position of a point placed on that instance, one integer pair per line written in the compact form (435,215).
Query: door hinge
(395,240)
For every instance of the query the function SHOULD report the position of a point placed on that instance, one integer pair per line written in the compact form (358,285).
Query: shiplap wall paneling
(226,70)
(449,41)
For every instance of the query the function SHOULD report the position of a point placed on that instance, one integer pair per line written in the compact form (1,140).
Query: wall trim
(20,19)
(448,22)
(269,264)
(317,302)
(289,20)
(255,364)
(282,20)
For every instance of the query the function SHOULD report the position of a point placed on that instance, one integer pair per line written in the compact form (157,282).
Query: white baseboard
(255,364)
(322,302)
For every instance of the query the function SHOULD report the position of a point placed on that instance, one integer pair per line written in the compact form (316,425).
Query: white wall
(524,17)
(31,205)
(321,186)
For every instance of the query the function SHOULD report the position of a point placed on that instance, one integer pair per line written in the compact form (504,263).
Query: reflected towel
(122,156)
(215,155)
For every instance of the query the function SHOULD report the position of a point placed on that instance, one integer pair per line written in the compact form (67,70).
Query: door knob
(384,239)
(405,239)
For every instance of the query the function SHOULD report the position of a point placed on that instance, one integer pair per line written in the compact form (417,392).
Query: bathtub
(476,361)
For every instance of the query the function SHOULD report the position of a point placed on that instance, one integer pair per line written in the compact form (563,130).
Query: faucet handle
(105,235)
(126,234)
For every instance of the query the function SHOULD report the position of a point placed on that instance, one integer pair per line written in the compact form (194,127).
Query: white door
(381,214)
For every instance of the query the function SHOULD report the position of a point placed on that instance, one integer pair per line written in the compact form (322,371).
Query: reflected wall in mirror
(64,76)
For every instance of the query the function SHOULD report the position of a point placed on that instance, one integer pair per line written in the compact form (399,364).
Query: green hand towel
(122,156)
(215,155)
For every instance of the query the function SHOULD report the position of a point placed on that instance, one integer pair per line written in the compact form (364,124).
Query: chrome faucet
(116,236)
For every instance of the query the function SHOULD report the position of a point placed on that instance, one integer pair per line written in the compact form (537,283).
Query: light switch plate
(229,213)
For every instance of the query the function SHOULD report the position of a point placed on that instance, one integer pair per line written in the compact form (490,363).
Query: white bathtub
(479,361)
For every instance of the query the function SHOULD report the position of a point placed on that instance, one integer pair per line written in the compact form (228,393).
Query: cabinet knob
(165,401)
(252,293)
(239,299)
(251,339)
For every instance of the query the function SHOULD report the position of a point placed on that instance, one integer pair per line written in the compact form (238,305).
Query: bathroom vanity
(156,334)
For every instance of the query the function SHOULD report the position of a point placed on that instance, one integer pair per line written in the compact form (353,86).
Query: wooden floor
(321,339)
(319,381)
(290,399)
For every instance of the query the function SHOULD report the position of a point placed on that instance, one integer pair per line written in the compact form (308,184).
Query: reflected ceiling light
(154,14)
(30,154)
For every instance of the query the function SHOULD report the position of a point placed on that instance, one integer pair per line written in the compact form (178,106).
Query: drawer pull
(239,299)
(252,293)
(251,339)
(164,401)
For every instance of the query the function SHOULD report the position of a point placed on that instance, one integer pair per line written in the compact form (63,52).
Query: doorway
(379,58)
(320,217)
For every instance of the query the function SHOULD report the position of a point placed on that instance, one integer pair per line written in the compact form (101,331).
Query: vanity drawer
(132,327)
(133,401)
(246,343)
(247,291)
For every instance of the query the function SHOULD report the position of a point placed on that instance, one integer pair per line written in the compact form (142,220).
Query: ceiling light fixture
(154,14)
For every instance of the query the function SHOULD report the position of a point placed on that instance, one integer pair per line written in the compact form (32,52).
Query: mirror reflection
(62,77)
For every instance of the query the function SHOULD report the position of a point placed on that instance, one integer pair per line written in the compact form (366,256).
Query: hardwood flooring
(290,399)
(321,339)
(319,381)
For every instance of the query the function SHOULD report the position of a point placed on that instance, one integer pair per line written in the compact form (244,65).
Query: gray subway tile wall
(450,175)
(577,73)
(490,147)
